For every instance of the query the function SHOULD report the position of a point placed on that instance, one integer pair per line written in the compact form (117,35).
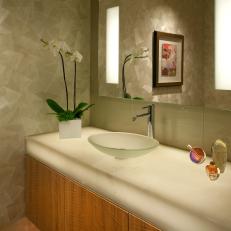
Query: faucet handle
(148,106)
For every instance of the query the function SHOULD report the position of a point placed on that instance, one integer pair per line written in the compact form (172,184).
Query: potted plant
(70,123)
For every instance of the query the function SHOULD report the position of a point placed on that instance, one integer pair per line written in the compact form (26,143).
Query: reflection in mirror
(138,20)
(132,57)
(134,80)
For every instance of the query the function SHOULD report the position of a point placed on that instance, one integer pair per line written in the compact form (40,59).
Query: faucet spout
(140,115)
(150,130)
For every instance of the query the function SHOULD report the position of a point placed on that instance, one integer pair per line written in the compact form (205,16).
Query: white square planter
(70,129)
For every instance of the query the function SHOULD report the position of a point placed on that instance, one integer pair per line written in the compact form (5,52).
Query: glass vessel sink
(123,145)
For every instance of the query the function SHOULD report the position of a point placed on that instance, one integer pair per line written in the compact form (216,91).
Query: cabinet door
(91,212)
(55,203)
(137,224)
(31,189)
(45,196)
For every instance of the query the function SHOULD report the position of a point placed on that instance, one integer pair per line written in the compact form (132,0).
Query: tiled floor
(22,225)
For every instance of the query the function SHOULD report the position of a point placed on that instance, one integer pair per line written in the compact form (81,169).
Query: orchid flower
(139,53)
(56,46)
(76,56)
(143,51)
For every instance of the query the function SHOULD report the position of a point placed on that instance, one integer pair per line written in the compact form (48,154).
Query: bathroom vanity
(55,202)
(70,185)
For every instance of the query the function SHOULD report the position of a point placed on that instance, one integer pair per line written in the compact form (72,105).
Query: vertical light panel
(112,47)
(223,44)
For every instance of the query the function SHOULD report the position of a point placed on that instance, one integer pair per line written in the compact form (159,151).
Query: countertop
(163,186)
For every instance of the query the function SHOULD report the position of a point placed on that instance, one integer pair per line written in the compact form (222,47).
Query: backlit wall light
(112,47)
(222,44)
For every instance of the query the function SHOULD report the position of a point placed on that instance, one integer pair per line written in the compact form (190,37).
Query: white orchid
(139,53)
(76,56)
(56,46)
(61,48)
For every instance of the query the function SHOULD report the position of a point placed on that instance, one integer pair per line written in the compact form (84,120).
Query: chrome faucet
(149,114)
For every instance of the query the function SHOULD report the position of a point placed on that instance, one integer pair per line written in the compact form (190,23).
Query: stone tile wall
(28,75)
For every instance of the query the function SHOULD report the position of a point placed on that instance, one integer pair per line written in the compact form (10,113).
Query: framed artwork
(168,59)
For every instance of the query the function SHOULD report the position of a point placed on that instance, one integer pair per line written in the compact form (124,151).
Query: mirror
(138,71)
(137,22)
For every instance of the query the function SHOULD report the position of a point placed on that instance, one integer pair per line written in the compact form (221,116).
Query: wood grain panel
(137,224)
(45,211)
(91,212)
(55,203)
(31,188)
(45,196)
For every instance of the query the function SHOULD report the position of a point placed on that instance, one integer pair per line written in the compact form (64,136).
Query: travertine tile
(28,75)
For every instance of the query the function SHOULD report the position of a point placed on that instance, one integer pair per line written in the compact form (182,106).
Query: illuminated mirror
(222,41)
(207,35)
(112,45)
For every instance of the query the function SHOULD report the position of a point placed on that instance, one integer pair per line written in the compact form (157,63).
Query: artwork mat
(177,78)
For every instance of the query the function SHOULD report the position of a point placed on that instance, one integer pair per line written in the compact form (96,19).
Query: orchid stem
(74,99)
(64,78)
(127,58)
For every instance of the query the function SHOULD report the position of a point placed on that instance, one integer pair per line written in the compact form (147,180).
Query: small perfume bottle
(213,171)
(197,155)
(219,154)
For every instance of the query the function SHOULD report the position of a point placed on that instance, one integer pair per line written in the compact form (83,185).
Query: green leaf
(66,115)
(81,108)
(54,106)
(127,96)
(138,98)
(63,115)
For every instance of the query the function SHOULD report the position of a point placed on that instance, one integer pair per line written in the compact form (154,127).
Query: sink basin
(123,145)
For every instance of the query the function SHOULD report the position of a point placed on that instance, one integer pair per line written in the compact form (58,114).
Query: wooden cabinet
(56,203)
(90,212)
(136,224)
(45,196)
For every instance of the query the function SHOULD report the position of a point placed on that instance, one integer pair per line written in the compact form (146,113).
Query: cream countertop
(163,186)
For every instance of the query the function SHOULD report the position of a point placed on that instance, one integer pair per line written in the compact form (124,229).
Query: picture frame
(168,59)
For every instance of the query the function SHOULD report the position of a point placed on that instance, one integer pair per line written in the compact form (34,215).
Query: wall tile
(28,75)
